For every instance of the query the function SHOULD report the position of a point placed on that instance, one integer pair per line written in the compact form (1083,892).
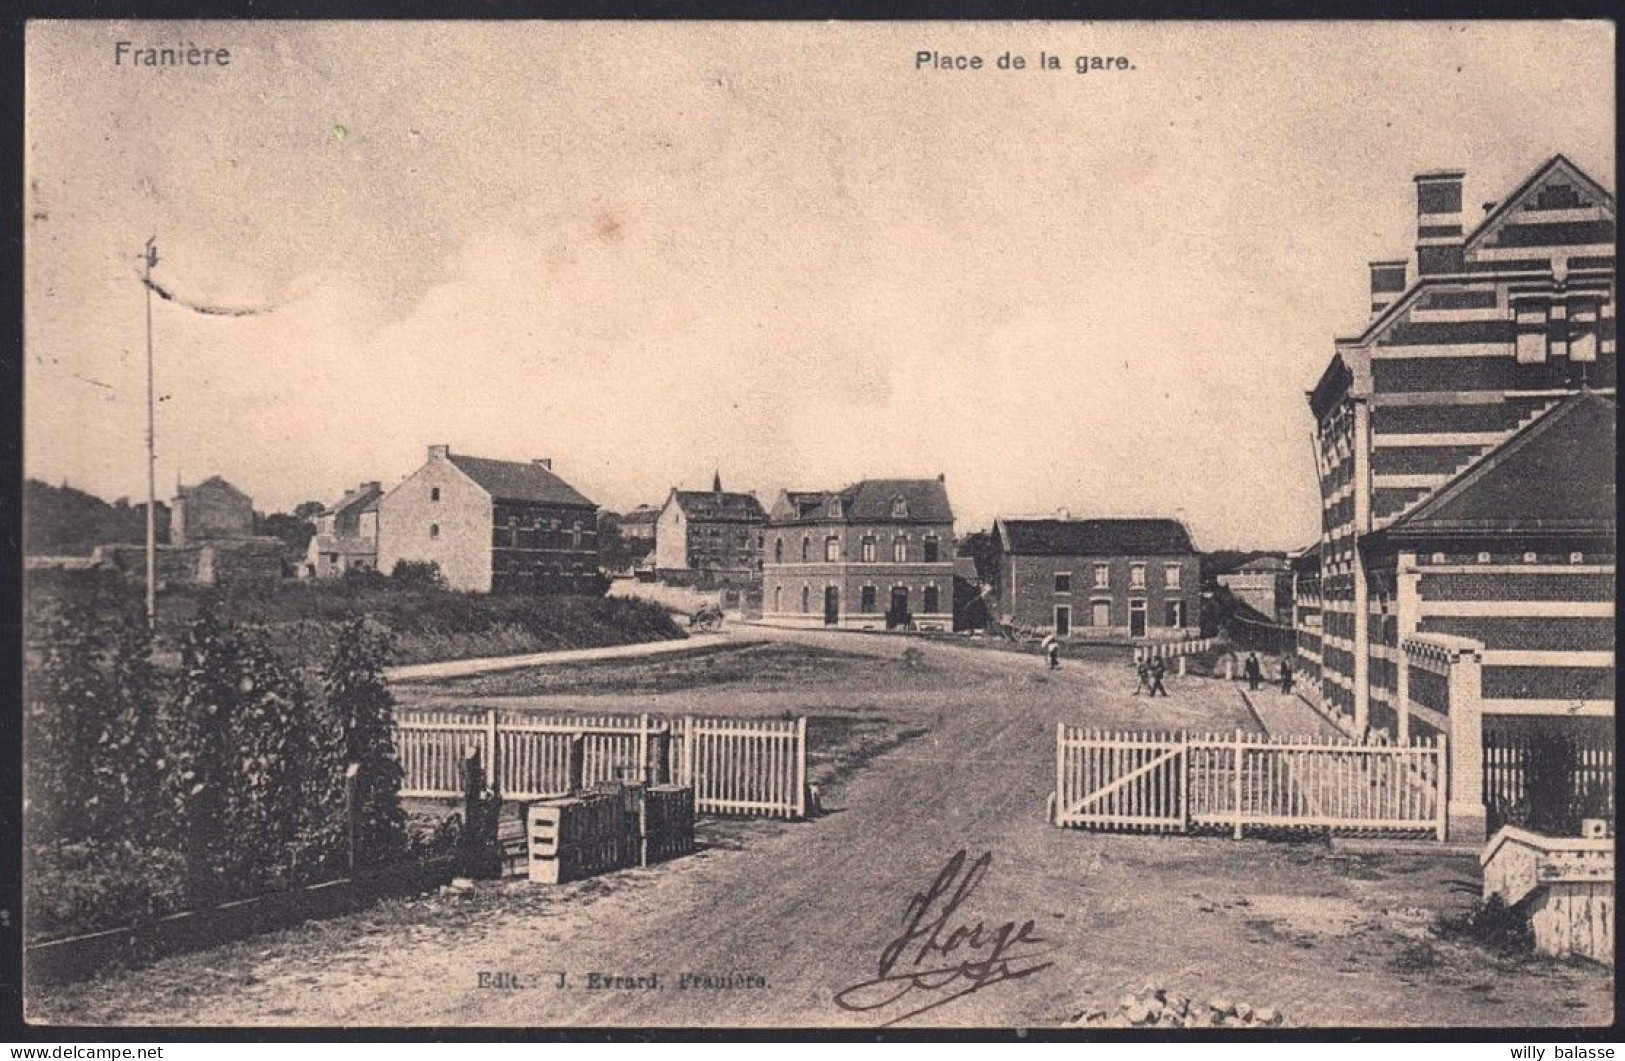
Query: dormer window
(835,508)
(899,508)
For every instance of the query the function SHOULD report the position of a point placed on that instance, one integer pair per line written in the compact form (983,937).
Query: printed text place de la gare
(1082,64)
(128,53)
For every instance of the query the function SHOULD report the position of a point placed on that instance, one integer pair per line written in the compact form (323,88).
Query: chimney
(942,477)
(1438,222)
(440,453)
(546,462)
(1063,513)
(1387,284)
(374,485)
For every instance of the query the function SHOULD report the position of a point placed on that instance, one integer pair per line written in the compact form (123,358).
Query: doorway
(832,606)
(898,615)
(1136,618)
(1063,620)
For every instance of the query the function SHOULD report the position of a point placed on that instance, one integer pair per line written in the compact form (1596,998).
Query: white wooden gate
(1177,782)
(738,766)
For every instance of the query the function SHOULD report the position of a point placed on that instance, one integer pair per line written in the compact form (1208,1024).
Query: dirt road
(782,918)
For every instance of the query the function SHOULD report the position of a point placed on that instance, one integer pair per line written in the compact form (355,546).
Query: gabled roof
(1264,564)
(362,499)
(719,506)
(1556,475)
(874,501)
(213,482)
(1556,164)
(519,481)
(641,514)
(1094,537)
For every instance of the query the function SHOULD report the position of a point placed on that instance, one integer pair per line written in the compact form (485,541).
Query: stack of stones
(1156,1007)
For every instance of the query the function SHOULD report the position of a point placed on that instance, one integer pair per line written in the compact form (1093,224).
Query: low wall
(1563,885)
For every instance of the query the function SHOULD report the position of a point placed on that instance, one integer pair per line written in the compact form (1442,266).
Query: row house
(1465,446)
(710,536)
(878,554)
(491,525)
(346,537)
(1098,578)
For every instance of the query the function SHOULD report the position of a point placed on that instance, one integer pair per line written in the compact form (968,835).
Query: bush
(417,573)
(1490,923)
(89,886)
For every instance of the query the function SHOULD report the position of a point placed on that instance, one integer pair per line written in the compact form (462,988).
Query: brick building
(491,525)
(1107,578)
(346,537)
(1465,450)
(878,554)
(710,537)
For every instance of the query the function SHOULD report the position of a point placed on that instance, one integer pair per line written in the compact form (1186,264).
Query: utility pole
(151,259)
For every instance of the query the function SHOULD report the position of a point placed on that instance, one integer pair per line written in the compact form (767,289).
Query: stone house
(1098,578)
(1264,585)
(878,554)
(346,537)
(213,510)
(491,525)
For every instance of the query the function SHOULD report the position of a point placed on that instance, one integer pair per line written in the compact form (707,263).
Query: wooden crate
(578,836)
(667,823)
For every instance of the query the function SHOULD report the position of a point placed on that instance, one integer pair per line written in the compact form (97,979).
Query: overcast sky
(648,251)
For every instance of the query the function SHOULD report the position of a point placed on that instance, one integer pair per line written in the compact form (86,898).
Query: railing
(1176,782)
(736,766)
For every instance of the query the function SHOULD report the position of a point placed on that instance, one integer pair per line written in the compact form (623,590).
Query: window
(1063,582)
(434,493)
(899,508)
(930,550)
(575,535)
(835,508)
(1103,576)
(778,553)
(866,599)
(1100,613)
(899,550)
(434,530)
(1483,558)
(1438,558)
(806,552)
(778,597)
(832,549)
(806,599)
(1530,558)
(1170,577)
(1531,329)
(931,600)
(1136,576)
(1176,613)
(1577,558)
(868,548)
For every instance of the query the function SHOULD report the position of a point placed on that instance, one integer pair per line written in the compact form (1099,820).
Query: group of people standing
(1254,673)
(1152,669)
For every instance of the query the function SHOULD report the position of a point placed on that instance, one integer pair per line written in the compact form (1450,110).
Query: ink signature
(931,955)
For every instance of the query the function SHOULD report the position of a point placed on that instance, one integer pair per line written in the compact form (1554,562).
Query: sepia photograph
(1087,528)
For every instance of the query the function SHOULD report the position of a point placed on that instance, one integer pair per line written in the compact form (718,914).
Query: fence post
(1181,666)
(1441,774)
(492,766)
(352,817)
(801,767)
(643,748)
(659,765)
(1060,772)
(1238,782)
(1184,780)
(690,737)
(578,762)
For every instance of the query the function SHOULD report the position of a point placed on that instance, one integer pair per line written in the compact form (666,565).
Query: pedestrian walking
(1158,669)
(1253,671)
(1143,669)
(1052,651)
(1286,676)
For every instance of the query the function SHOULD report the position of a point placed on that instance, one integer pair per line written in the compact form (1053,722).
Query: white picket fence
(1178,782)
(735,766)
(1171,649)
